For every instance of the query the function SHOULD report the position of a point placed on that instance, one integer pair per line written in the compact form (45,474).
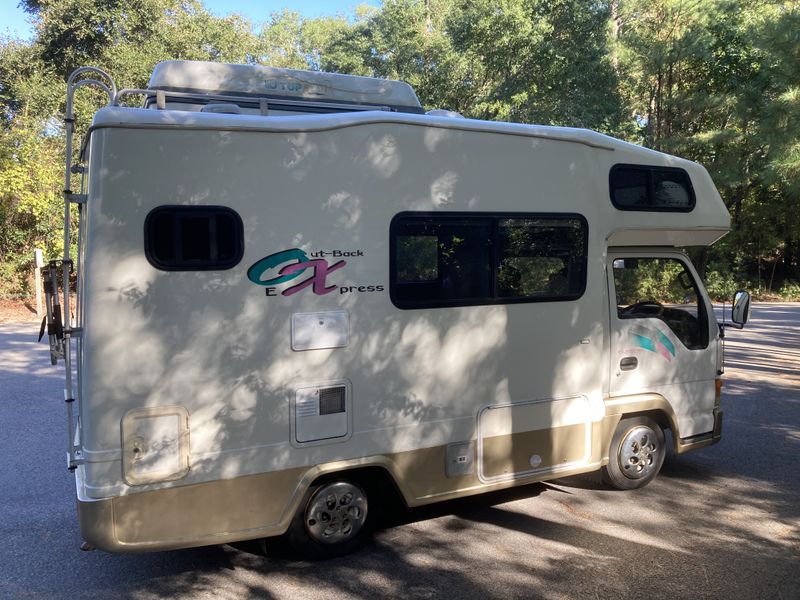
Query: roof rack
(190,85)
(163,99)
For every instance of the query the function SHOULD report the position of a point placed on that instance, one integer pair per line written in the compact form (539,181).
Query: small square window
(630,188)
(649,188)
(193,238)
(671,190)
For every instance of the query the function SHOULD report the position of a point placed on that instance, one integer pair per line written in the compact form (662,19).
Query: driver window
(661,288)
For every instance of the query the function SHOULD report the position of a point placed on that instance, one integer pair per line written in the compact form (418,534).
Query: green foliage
(652,279)
(530,276)
(417,258)
(790,291)
(543,61)
(716,81)
(30,203)
(721,284)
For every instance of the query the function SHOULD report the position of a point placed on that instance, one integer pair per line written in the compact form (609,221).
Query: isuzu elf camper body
(297,293)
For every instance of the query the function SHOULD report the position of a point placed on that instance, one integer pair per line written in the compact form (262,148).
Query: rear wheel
(636,454)
(333,519)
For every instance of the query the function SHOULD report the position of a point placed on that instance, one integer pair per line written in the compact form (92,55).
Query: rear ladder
(58,273)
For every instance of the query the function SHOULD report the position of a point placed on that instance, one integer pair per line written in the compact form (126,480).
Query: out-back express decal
(304,271)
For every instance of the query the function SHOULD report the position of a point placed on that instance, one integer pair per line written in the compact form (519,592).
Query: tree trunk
(613,8)
(659,96)
(668,113)
(772,275)
(649,137)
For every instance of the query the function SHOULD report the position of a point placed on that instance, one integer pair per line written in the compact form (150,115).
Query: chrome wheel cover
(638,452)
(336,513)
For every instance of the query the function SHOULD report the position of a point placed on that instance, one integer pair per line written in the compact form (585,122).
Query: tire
(636,454)
(333,519)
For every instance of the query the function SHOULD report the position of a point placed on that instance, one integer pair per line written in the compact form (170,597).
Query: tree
(124,38)
(31,171)
(543,61)
(716,81)
(713,81)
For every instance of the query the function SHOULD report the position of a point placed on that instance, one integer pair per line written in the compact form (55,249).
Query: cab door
(664,338)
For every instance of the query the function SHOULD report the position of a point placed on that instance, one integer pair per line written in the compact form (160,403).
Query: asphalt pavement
(722,522)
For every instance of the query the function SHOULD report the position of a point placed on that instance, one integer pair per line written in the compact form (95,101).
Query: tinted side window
(441,261)
(458,259)
(541,258)
(658,189)
(193,238)
(662,288)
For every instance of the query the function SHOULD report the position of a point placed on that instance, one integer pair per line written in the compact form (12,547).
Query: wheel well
(659,416)
(376,481)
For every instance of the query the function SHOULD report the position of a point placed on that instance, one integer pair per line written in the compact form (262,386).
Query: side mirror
(741,308)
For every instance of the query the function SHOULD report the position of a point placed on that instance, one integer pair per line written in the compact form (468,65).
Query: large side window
(541,258)
(461,259)
(656,189)
(662,288)
(193,238)
(442,261)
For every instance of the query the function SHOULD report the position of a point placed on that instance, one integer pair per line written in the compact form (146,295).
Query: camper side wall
(217,380)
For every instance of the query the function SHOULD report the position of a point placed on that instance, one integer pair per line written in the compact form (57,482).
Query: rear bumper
(216,512)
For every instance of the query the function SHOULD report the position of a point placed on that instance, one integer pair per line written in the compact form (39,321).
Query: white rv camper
(298,292)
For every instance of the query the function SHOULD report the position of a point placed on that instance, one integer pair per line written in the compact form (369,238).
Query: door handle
(628,363)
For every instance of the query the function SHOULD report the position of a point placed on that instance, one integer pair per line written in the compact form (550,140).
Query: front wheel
(332,520)
(636,454)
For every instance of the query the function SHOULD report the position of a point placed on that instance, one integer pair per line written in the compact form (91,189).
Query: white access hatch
(320,330)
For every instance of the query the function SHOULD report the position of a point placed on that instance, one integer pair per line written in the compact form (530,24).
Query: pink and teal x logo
(317,280)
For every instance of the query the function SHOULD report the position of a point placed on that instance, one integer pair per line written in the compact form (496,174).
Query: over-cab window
(462,259)
(645,188)
(664,289)
(193,238)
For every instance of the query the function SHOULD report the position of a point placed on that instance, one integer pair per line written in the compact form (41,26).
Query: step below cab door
(664,338)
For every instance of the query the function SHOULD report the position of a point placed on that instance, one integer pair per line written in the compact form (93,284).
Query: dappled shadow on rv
(717,523)
(216,343)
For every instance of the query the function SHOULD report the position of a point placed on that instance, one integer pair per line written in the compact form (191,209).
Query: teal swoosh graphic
(646,342)
(666,341)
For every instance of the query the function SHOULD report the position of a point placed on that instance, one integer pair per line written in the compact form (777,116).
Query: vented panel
(321,412)
(331,400)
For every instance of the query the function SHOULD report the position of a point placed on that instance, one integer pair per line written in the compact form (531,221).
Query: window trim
(650,170)
(494,218)
(194,210)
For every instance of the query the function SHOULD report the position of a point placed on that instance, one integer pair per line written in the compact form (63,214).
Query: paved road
(723,522)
